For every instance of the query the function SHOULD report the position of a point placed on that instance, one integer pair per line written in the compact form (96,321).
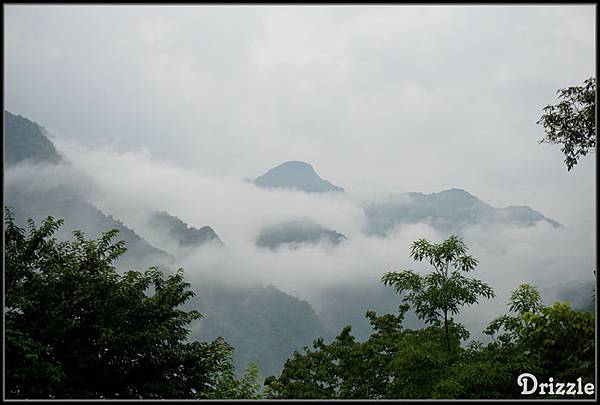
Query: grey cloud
(169,107)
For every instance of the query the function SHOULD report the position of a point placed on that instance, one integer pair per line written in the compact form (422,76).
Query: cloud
(167,108)
(396,98)
(134,184)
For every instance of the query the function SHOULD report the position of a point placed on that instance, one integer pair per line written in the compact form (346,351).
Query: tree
(547,341)
(572,121)
(525,299)
(349,369)
(75,328)
(400,363)
(392,363)
(227,386)
(444,291)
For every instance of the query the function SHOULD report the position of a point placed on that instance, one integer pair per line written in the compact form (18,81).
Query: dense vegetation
(25,140)
(571,122)
(75,328)
(394,362)
(264,324)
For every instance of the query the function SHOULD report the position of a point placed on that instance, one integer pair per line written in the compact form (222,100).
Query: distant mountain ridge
(296,233)
(449,210)
(79,214)
(265,324)
(25,140)
(187,236)
(296,175)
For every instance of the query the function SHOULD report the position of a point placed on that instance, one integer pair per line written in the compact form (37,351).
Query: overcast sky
(378,99)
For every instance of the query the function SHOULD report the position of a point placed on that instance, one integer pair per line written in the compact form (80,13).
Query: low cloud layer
(395,98)
(131,186)
(169,108)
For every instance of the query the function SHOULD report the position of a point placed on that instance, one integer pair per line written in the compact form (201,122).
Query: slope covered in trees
(552,343)
(62,201)
(449,211)
(294,234)
(186,238)
(25,140)
(76,328)
(264,324)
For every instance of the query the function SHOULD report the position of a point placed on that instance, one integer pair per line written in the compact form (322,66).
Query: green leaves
(572,121)
(525,298)
(75,328)
(451,251)
(444,291)
(554,341)
(345,368)
(430,362)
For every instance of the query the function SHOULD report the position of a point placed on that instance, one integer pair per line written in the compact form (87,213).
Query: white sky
(379,99)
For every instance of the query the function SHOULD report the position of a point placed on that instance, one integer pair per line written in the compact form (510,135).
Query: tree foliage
(444,291)
(572,121)
(392,363)
(76,328)
(415,364)
(558,341)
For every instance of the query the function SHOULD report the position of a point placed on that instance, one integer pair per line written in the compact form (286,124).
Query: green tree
(443,292)
(572,121)
(415,364)
(547,341)
(392,363)
(227,386)
(345,368)
(525,299)
(76,328)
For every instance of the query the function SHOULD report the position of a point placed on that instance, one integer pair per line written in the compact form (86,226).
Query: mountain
(346,303)
(295,175)
(296,233)
(184,235)
(264,324)
(580,294)
(78,214)
(450,211)
(25,140)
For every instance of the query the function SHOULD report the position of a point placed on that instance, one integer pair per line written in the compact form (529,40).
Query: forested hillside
(25,140)
(166,333)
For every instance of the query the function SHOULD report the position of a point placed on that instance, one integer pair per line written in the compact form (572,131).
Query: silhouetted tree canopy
(571,122)
(76,328)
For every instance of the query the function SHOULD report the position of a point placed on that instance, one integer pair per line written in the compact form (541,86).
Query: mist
(286,158)
(133,185)
(395,98)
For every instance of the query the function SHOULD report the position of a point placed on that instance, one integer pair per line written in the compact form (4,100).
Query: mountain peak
(295,163)
(295,233)
(295,174)
(185,235)
(456,192)
(25,141)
